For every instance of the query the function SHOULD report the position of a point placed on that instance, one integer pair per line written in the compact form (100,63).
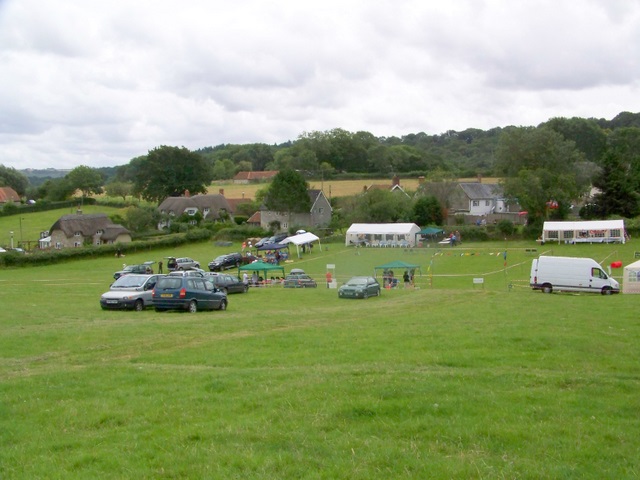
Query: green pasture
(451,379)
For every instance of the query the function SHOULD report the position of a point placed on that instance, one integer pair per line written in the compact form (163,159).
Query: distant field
(332,188)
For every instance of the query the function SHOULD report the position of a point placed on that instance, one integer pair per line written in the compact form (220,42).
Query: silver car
(130,292)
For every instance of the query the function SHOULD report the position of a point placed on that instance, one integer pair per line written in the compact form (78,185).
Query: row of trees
(554,163)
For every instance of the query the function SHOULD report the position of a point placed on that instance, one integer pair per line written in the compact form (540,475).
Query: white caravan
(571,274)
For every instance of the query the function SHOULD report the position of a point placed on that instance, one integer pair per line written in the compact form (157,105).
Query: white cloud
(100,83)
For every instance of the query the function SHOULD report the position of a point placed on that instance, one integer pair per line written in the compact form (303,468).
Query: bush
(506,227)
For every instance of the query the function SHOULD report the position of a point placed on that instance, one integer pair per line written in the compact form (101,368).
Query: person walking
(160,266)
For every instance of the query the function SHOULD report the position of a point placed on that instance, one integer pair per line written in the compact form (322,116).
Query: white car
(130,292)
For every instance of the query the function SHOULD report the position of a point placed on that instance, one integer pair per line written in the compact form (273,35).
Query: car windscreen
(357,281)
(129,281)
(169,283)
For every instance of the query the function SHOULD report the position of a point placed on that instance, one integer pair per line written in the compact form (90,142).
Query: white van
(571,274)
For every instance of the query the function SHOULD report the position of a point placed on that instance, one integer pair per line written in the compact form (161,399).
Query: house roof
(255,176)
(255,218)
(213,201)
(8,194)
(235,202)
(88,225)
(477,190)
(315,195)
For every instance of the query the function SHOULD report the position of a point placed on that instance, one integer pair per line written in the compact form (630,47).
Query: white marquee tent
(302,239)
(595,231)
(382,234)
(631,278)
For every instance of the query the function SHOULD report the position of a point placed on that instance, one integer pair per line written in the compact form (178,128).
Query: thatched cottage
(96,228)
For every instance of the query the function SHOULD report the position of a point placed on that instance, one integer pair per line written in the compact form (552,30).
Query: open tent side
(263,267)
(397,265)
(305,238)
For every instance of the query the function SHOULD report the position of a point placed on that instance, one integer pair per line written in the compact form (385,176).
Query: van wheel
(193,306)
(546,288)
(606,291)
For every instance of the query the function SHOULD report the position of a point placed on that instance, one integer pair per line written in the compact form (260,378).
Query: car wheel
(245,289)
(193,306)
(139,305)
(223,305)
(365,294)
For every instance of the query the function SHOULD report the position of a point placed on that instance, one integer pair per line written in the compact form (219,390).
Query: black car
(184,292)
(225,262)
(145,268)
(227,283)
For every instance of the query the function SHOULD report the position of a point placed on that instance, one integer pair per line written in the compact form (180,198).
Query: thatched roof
(177,205)
(88,225)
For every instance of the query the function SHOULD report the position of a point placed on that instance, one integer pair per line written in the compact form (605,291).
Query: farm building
(382,234)
(596,231)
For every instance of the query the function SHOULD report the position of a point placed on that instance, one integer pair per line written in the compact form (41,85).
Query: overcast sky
(87,82)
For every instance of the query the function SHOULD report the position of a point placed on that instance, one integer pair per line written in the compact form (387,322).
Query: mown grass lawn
(452,379)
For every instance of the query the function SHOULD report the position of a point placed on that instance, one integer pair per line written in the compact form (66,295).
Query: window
(77,234)
(567,234)
(476,203)
(552,234)
(77,244)
(321,210)
(597,273)
(100,232)
(487,203)
(615,232)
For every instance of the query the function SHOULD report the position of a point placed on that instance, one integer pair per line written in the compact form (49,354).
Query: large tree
(86,179)
(619,182)
(10,177)
(288,192)
(540,167)
(170,171)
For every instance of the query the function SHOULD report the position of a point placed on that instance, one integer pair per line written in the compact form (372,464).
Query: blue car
(187,292)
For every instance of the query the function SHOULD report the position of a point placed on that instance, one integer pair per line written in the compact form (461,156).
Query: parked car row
(193,289)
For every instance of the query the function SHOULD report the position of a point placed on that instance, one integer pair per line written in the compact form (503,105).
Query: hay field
(331,188)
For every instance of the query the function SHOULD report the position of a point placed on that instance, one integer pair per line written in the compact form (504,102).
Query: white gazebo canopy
(302,239)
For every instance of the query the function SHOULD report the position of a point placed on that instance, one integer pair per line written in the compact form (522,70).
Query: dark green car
(190,293)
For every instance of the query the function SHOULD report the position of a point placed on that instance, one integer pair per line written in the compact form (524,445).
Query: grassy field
(448,380)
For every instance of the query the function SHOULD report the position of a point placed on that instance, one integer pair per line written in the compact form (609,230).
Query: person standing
(160,266)
(329,279)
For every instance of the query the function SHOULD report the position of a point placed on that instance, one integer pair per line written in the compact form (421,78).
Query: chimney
(421,179)
(479,178)
(187,194)
(221,191)
(395,181)
(364,188)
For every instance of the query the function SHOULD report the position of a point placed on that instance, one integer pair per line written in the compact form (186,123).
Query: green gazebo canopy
(397,265)
(261,267)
